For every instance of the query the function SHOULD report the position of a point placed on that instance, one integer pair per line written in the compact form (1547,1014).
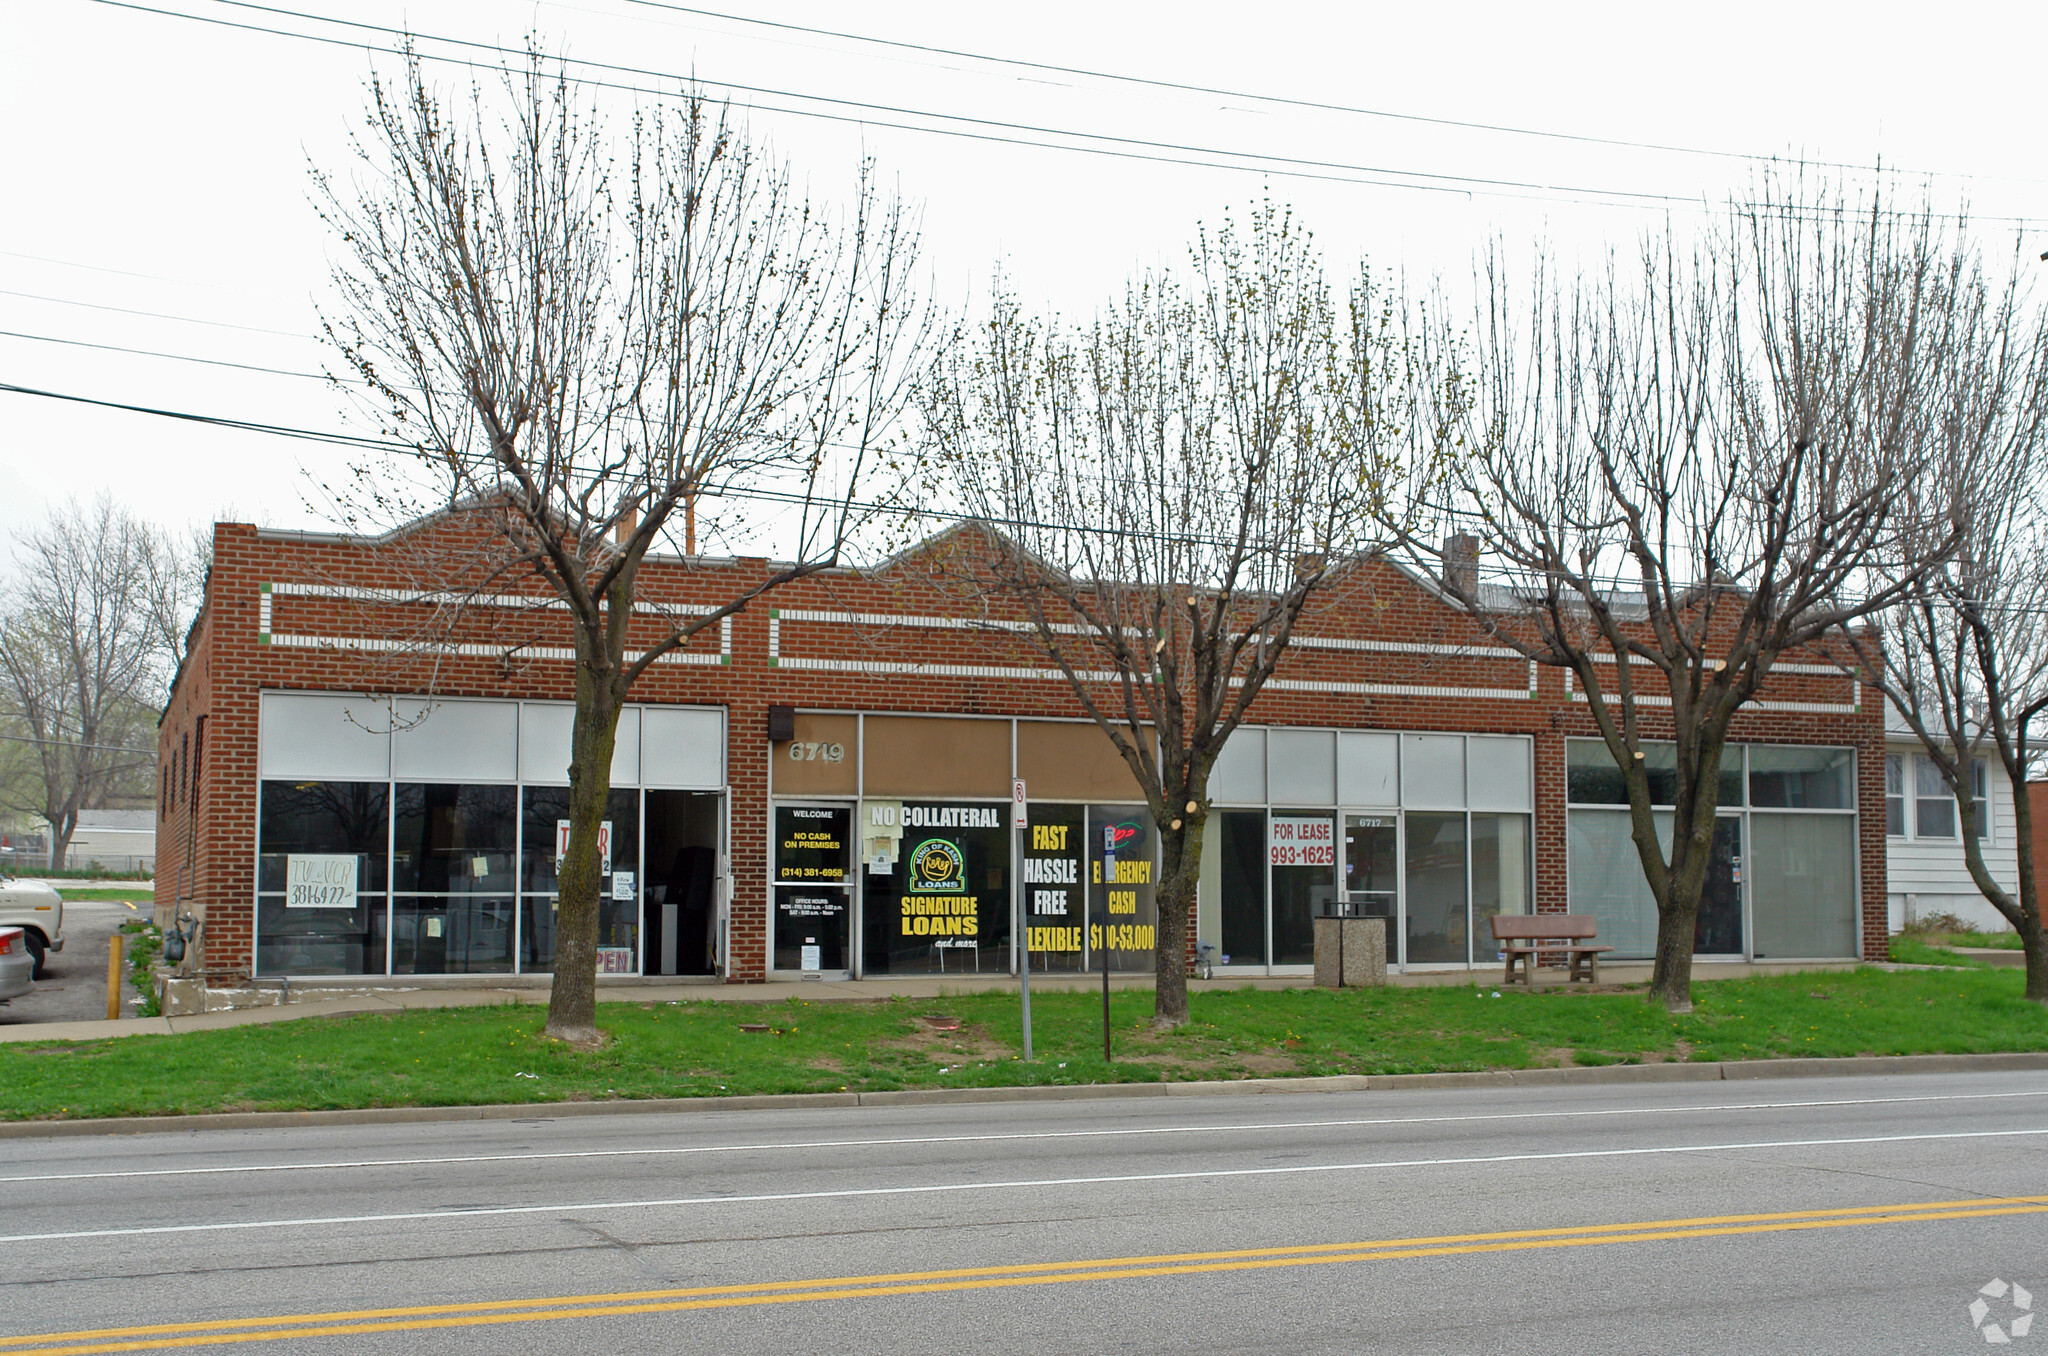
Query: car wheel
(36,950)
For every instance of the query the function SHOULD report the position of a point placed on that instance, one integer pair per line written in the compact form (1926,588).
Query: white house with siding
(1924,867)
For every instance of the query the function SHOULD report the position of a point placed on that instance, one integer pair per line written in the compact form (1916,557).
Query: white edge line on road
(349,1164)
(933,1188)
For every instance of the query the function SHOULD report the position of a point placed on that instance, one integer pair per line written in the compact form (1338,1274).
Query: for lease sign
(320,880)
(1297,841)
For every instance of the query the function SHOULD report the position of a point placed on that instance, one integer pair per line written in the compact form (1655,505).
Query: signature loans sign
(320,880)
(1292,840)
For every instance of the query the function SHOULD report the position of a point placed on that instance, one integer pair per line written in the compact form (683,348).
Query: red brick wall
(1371,602)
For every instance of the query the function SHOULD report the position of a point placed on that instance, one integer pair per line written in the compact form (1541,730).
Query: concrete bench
(1522,935)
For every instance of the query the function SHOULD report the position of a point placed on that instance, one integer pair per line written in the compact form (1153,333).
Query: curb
(1731,1071)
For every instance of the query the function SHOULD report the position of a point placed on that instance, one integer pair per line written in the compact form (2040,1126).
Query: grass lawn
(464,1056)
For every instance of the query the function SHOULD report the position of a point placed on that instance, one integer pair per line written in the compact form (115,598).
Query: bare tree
(1166,490)
(1963,656)
(579,351)
(84,660)
(1688,468)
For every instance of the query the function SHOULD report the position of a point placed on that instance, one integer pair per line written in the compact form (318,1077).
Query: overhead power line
(750,493)
(1158,152)
(1251,96)
(153,315)
(153,353)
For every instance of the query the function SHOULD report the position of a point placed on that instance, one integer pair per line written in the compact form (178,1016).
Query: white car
(38,910)
(16,964)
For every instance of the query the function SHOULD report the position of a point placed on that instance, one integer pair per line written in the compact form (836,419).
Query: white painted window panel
(1239,776)
(455,741)
(1498,770)
(1301,767)
(1368,768)
(683,747)
(324,736)
(546,730)
(1433,772)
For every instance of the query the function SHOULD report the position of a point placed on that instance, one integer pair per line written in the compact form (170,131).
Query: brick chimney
(1461,564)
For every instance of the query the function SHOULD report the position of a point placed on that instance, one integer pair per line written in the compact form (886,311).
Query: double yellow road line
(420,1318)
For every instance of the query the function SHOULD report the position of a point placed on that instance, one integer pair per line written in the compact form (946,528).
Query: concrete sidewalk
(309,1000)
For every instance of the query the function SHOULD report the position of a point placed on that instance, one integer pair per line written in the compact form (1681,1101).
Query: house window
(1977,789)
(1934,813)
(1895,794)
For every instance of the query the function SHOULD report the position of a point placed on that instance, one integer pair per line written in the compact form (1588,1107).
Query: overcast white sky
(159,164)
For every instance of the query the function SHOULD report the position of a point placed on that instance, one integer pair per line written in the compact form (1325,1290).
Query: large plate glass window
(1437,901)
(1301,848)
(1055,882)
(618,908)
(320,878)
(937,900)
(1242,885)
(1123,867)
(451,876)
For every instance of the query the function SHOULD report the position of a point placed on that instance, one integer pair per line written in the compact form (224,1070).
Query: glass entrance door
(813,868)
(1372,859)
(1718,928)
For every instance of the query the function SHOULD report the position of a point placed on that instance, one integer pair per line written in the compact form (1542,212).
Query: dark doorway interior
(681,899)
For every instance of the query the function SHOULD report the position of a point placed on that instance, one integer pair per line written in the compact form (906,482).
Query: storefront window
(1500,877)
(942,904)
(1055,886)
(1243,885)
(1783,777)
(1302,848)
(546,816)
(452,858)
(1592,778)
(1804,895)
(1436,889)
(320,873)
(1123,866)
(1607,880)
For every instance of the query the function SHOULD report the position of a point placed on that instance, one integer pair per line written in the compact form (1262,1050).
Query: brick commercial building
(362,777)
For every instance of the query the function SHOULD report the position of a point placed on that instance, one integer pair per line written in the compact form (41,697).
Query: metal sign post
(1108,879)
(1019,820)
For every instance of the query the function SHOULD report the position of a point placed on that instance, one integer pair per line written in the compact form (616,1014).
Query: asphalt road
(75,986)
(1811,1215)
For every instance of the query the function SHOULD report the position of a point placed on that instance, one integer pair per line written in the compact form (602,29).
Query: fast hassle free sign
(1293,840)
(320,880)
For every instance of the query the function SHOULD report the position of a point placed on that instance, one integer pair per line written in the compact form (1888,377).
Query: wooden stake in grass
(114,977)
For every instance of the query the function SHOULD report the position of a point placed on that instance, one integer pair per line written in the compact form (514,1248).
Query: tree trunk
(1180,858)
(572,998)
(60,839)
(1678,916)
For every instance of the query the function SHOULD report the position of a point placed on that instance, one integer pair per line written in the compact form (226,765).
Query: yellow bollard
(114,977)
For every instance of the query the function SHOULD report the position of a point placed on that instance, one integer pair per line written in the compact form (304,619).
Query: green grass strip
(466,1056)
